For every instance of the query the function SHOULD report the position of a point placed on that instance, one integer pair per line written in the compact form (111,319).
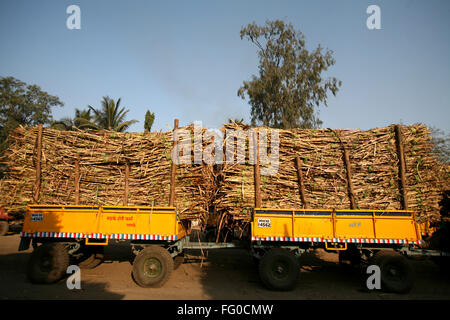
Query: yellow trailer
(277,237)
(363,237)
(77,235)
(335,226)
(102,223)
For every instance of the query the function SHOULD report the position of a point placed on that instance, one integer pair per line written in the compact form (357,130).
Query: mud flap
(24,244)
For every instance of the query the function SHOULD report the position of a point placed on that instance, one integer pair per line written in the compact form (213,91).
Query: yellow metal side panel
(395,228)
(180,230)
(104,220)
(122,222)
(127,221)
(58,220)
(308,226)
(156,223)
(272,225)
(354,227)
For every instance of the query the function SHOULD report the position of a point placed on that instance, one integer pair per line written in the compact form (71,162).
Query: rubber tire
(385,259)
(165,260)
(4,227)
(94,256)
(59,261)
(268,262)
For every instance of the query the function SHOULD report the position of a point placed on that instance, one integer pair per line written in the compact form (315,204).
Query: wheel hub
(46,263)
(152,268)
(280,270)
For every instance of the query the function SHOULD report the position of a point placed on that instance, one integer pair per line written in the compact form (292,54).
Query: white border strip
(78,235)
(337,240)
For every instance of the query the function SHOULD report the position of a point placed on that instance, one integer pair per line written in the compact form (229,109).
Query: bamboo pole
(173,169)
(127,178)
(402,166)
(37,185)
(301,182)
(351,194)
(257,172)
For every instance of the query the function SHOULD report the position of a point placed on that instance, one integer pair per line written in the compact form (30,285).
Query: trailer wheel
(92,257)
(152,267)
(4,227)
(279,269)
(396,272)
(48,263)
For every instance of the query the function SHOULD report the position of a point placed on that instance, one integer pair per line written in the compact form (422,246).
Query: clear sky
(185,59)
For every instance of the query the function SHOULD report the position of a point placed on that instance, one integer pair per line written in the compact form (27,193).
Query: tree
(82,116)
(149,119)
(109,117)
(290,84)
(65,124)
(23,104)
(441,144)
(68,124)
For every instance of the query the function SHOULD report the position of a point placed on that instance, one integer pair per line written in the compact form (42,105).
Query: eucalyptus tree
(290,85)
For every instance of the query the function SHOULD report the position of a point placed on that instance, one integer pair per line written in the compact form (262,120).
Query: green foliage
(23,104)
(149,119)
(441,144)
(290,84)
(109,117)
(237,121)
(68,124)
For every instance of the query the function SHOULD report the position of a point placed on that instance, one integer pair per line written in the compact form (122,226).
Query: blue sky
(185,59)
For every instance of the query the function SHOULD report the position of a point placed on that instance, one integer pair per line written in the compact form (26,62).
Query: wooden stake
(402,166)
(37,185)
(77,182)
(351,194)
(301,182)
(348,169)
(257,172)
(173,169)
(127,177)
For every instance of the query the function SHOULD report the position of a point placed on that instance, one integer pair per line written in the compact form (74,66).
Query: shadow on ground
(232,274)
(15,284)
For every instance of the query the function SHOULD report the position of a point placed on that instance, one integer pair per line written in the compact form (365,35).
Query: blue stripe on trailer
(273,211)
(312,213)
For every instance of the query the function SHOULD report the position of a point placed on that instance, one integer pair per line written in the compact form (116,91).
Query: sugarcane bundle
(340,169)
(98,161)
(373,164)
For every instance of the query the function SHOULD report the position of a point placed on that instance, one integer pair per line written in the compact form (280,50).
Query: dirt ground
(228,274)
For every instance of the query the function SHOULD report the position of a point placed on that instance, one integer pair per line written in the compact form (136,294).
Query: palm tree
(82,116)
(109,117)
(69,124)
(65,124)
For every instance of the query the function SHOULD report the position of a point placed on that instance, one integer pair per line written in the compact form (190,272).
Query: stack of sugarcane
(94,168)
(320,168)
(373,162)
